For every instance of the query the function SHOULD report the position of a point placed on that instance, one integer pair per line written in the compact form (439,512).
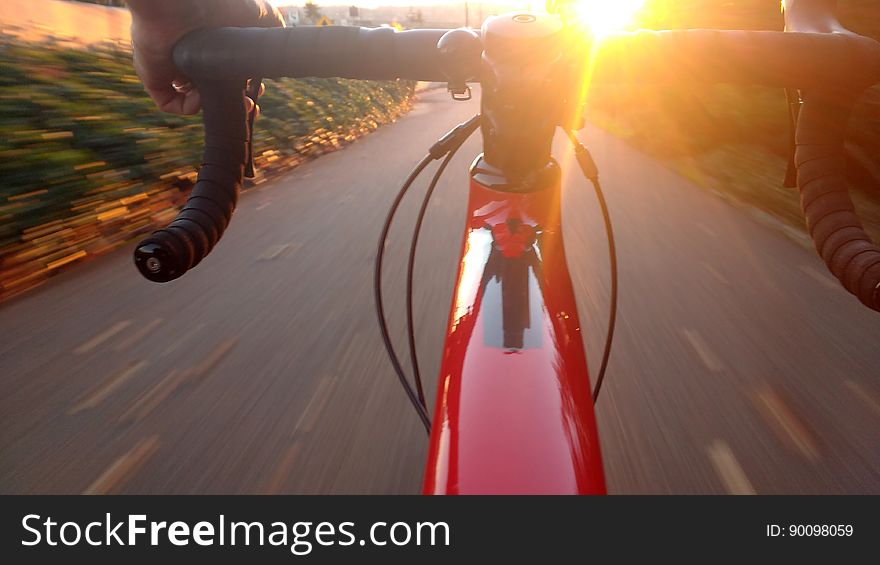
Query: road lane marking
(212,360)
(102,337)
(706,229)
(278,251)
(138,335)
(263,205)
(709,359)
(791,429)
(284,470)
(315,406)
(123,468)
(814,274)
(796,235)
(714,272)
(150,400)
(865,396)
(186,337)
(729,469)
(106,389)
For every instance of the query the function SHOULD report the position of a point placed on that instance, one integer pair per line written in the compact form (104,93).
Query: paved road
(739,366)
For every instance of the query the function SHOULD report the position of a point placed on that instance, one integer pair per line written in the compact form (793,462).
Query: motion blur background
(740,365)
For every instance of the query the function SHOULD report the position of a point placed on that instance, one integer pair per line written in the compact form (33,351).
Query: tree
(313,11)
(415,17)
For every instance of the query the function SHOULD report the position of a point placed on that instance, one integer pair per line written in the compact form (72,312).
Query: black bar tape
(833,223)
(818,167)
(769,58)
(169,252)
(839,238)
(308,51)
(205,222)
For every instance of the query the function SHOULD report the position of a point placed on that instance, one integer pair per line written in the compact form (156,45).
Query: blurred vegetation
(736,139)
(87,162)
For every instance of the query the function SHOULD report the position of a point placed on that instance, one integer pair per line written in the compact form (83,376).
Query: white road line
(263,205)
(124,467)
(106,389)
(714,272)
(186,337)
(814,274)
(102,337)
(709,359)
(865,396)
(212,360)
(138,335)
(315,406)
(729,469)
(789,427)
(150,400)
(284,470)
(706,229)
(796,235)
(278,251)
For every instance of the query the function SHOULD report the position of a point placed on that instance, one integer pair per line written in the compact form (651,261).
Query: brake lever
(253,92)
(794,109)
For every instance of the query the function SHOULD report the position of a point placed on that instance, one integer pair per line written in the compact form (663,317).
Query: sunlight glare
(607,16)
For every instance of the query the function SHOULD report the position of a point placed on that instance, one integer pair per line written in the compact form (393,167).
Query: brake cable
(447,146)
(468,128)
(591,172)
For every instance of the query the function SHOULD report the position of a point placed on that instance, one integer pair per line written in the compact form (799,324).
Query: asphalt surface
(739,366)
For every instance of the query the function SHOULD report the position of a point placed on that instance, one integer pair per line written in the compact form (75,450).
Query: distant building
(292,15)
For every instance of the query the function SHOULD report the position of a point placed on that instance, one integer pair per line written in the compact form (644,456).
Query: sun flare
(607,16)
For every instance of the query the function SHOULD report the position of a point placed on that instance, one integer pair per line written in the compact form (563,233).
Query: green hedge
(86,161)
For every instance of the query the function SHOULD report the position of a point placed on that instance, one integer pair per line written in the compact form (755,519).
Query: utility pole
(467,22)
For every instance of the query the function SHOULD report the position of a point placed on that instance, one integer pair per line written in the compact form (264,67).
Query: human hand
(156,27)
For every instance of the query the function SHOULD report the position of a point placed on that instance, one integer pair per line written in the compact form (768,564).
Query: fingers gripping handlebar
(219,62)
(169,252)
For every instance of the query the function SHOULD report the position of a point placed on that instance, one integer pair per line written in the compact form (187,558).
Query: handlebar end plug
(156,262)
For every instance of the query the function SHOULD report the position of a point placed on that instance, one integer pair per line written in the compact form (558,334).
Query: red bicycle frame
(514,413)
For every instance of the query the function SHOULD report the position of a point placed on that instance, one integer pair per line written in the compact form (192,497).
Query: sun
(606,16)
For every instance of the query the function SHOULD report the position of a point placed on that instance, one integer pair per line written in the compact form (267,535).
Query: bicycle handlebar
(169,252)
(767,58)
(831,68)
(337,51)
(820,158)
